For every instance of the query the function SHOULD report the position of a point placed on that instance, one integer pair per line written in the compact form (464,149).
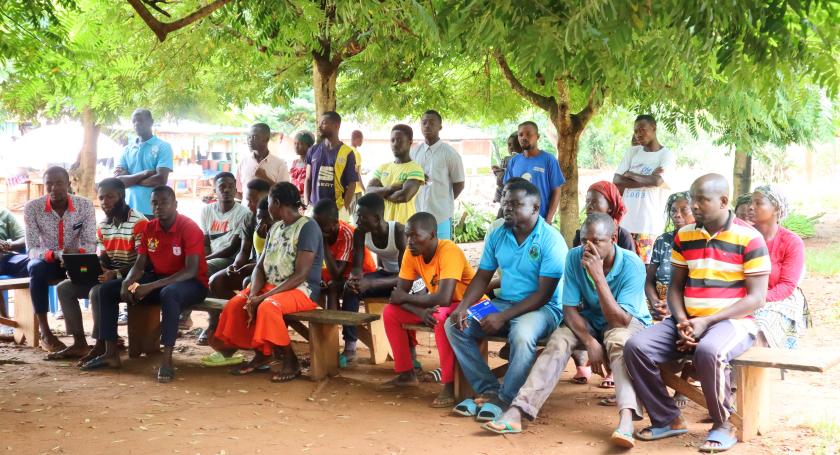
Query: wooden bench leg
(27,324)
(323,350)
(143,330)
(752,399)
(463,389)
(374,336)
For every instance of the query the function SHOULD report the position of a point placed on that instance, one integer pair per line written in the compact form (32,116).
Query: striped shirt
(718,264)
(119,241)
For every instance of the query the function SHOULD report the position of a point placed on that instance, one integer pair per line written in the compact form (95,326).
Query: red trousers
(269,329)
(393,317)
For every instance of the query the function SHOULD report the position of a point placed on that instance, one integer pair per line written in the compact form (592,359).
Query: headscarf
(613,196)
(672,199)
(745,198)
(774,194)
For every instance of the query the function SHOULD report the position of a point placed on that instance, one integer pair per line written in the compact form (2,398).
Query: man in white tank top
(385,239)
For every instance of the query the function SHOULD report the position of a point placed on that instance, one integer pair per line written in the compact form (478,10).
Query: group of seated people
(715,285)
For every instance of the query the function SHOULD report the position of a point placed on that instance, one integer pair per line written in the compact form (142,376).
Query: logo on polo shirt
(176,250)
(534,253)
(152,244)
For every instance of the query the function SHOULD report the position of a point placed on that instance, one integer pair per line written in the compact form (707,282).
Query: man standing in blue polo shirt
(538,167)
(603,305)
(531,255)
(145,164)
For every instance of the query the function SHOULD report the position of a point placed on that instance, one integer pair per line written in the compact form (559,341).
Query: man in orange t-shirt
(446,274)
(338,264)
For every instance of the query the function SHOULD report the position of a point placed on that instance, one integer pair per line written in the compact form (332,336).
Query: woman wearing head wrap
(297,174)
(742,207)
(604,197)
(679,214)
(785,316)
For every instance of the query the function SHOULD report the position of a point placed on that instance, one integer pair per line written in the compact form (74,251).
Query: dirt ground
(54,408)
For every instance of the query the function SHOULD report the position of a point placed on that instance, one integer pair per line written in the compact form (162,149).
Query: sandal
(217,359)
(657,433)
(501,427)
(608,401)
(608,382)
(582,375)
(488,413)
(251,367)
(443,401)
(203,338)
(165,374)
(286,377)
(431,376)
(67,353)
(680,400)
(622,439)
(722,436)
(466,408)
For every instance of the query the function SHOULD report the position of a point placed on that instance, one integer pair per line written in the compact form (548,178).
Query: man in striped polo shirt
(117,236)
(720,268)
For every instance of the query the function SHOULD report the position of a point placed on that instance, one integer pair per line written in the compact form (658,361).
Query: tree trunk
(83,172)
(324,76)
(568,142)
(741,173)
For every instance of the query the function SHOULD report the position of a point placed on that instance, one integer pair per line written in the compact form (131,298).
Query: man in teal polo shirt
(530,254)
(603,304)
(145,163)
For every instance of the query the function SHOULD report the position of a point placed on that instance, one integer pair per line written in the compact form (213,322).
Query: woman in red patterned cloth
(297,173)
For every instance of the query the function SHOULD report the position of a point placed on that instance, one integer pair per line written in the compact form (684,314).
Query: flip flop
(657,433)
(506,428)
(680,400)
(165,375)
(280,377)
(722,436)
(64,355)
(217,359)
(607,383)
(488,413)
(608,401)
(95,364)
(466,408)
(442,402)
(622,439)
(581,376)
(249,368)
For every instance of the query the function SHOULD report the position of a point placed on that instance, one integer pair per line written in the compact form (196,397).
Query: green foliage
(471,224)
(801,225)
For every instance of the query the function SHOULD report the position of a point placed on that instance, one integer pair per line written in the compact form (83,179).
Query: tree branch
(593,103)
(543,102)
(162,29)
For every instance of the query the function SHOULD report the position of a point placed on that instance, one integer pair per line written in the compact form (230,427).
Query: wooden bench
(462,386)
(322,333)
(752,369)
(24,322)
(373,334)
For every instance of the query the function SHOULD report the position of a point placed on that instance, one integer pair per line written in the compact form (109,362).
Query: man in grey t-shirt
(444,174)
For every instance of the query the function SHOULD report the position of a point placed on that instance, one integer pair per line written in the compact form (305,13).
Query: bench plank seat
(335,317)
(10,284)
(818,361)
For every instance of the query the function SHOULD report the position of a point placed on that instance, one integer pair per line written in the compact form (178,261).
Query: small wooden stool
(143,330)
(373,336)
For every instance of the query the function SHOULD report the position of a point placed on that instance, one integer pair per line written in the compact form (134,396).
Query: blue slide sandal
(488,413)
(466,408)
(722,436)
(657,433)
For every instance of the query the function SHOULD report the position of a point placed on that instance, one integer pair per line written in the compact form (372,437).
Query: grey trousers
(68,296)
(658,344)
(551,364)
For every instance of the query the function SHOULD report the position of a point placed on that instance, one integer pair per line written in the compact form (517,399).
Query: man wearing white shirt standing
(259,162)
(444,171)
(642,178)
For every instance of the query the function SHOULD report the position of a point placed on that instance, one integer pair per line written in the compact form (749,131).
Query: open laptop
(83,268)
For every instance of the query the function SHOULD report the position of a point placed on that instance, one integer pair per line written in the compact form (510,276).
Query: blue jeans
(173,299)
(522,332)
(444,229)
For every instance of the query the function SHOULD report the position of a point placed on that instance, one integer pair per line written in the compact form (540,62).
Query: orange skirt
(269,329)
